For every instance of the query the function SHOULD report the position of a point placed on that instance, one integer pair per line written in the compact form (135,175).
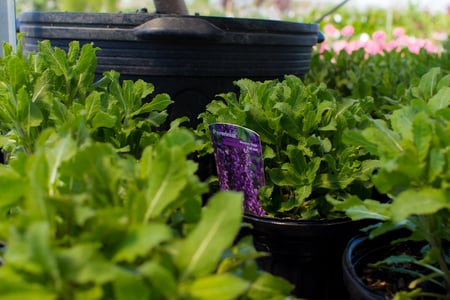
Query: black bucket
(192,58)
(308,253)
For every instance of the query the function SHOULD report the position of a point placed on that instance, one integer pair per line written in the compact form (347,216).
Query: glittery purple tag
(238,156)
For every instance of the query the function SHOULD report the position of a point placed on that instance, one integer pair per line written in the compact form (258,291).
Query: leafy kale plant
(301,130)
(413,147)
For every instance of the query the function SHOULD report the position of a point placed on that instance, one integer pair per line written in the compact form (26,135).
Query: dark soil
(385,281)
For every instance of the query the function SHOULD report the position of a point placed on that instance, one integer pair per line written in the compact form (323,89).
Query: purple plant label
(238,156)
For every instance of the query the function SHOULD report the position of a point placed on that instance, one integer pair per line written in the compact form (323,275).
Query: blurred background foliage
(415,22)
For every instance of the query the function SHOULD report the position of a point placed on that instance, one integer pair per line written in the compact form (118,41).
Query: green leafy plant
(301,134)
(57,89)
(384,77)
(99,202)
(413,147)
(79,220)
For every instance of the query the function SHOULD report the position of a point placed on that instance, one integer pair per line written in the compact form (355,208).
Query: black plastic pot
(192,58)
(362,250)
(308,253)
(356,254)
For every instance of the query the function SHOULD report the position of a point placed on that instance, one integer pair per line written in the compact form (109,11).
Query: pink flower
(399,31)
(348,31)
(379,36)
(331,31)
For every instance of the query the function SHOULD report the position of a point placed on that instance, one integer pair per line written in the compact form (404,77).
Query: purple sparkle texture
(238,156)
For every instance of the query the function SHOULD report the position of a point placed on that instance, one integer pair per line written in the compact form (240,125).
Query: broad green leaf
(357,209)
(129,286)
(93,293)
(268,286)
(159,102)
(11,187)
(103,119)
(17,70)
(353,137)
(200,252)
(63,150)
(39,238)
(421,202)
(428,83)
(141,240)
(422,135)
(162,278)
(223,286)
(84,264)
(92,105)
(387,141)
(168,178)
(440,100)
(14,287)
(436,164)
(402,121)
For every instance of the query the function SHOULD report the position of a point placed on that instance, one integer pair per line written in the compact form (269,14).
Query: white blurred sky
(430,5)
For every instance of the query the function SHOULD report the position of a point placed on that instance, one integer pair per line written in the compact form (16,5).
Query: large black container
(192,58)
(308,253)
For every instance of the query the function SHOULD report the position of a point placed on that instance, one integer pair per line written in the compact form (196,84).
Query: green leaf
(428,83)
(440,100)
(421,202)
(11,187)
(387,141)
(200,252)
(422,135)
(103,119)
(224,286)
(84,264)
(162,279)
(129,286)
(268,286)
(92,105)
(14,287)
(159,102)
(168,178)
(357,209)
(38,238)
(141,240)
(436,164)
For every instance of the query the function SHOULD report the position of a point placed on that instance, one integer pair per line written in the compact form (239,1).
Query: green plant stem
(436,243)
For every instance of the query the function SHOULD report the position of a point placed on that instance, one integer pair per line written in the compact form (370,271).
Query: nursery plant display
(305,161)
(412,145)
(85,217)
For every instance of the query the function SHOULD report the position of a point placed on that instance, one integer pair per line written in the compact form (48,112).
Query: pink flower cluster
(345,39)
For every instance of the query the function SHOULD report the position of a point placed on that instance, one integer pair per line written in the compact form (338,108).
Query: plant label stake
(7,23)
(238,156)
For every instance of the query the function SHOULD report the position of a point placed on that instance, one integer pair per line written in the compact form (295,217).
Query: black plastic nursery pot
(356,254)
(361,250)
(192,58)
(308,253)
